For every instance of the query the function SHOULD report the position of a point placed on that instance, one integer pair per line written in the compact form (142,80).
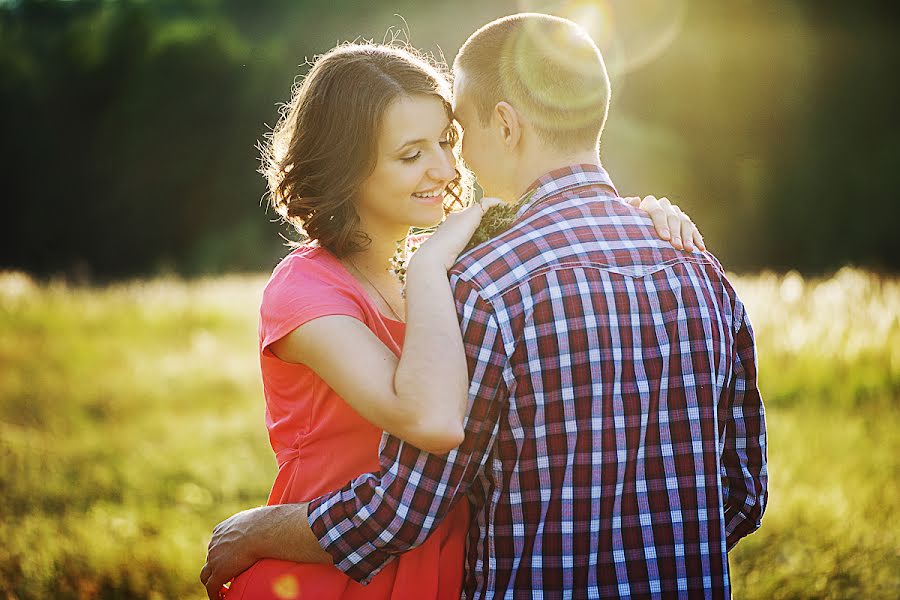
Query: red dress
(321,443)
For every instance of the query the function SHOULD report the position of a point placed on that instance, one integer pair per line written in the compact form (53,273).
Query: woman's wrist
(425,261)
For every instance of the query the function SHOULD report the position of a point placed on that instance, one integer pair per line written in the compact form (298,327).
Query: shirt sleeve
(299,291)
(380,515)
(744,461)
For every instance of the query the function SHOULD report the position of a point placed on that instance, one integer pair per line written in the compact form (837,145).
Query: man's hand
(280,531)
(670,222)
(233,548)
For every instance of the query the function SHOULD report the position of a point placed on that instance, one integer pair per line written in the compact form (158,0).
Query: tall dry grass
(131,422)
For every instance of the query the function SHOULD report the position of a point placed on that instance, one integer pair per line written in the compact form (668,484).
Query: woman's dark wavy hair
(326,141)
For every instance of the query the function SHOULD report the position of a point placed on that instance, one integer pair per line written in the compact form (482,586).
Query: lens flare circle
(629,33)
(552,73)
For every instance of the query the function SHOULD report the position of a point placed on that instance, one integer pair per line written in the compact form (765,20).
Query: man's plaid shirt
(615,439)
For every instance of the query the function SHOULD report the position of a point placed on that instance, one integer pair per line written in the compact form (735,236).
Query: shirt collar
(564,179)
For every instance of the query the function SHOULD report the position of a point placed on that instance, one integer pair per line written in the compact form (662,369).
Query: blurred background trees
(129,128)
(131,414)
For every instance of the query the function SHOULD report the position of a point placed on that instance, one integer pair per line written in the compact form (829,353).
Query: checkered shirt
(615,439)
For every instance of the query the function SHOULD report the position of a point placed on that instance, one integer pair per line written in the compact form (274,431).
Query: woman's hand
(450,238)
(671,223)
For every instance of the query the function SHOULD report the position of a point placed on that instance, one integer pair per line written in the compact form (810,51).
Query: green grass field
(131,422)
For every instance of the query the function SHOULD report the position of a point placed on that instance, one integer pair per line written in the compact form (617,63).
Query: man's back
(615,437)
(630,451)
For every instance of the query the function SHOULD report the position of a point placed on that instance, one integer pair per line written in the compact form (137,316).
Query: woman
(364,152)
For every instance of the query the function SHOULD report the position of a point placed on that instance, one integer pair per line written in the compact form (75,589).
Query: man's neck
(540,165)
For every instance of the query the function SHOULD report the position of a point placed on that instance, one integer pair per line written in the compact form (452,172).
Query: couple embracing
(565,406)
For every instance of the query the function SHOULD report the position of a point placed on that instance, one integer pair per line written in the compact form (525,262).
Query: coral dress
(321,443)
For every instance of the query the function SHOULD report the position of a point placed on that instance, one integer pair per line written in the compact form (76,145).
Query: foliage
(130,127)
(496,220)
(131,422)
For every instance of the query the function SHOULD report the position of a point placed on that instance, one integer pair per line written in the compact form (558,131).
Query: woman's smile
(429,197)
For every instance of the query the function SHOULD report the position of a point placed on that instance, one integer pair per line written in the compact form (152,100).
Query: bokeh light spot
(286,587)
(596,17)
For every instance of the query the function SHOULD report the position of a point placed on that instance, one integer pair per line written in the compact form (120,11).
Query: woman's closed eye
(445,143)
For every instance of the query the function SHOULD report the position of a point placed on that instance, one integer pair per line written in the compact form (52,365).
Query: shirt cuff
(346,534)
(737,526)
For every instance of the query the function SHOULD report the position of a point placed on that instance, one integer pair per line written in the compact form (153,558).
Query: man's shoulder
(497,256)
(565,230)
(496,263)
(618,242)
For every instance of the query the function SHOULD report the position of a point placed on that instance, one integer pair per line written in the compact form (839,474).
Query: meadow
(131,422)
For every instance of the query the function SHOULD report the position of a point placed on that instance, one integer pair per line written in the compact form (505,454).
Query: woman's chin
(428,218)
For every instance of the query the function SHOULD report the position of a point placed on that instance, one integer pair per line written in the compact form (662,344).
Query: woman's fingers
(690,235)
(489,202)
(659,210)
(670,221)
(633,201)
(451,236)
(470,217)
(673,217)
(695,235)
(688,229)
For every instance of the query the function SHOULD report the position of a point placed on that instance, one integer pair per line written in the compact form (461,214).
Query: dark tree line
(129,129)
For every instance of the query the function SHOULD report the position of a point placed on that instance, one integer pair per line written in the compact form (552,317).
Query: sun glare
(629,33)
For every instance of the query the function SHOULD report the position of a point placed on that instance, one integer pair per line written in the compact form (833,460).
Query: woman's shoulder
(310,281)
(307,266)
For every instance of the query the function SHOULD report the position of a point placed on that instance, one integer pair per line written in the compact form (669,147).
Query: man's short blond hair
(547,68)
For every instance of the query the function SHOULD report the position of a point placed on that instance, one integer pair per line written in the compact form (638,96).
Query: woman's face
(415,164)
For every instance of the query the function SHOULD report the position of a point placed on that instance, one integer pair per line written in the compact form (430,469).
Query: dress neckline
(359,287)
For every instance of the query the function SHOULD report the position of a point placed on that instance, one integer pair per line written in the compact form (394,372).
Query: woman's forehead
(413,118)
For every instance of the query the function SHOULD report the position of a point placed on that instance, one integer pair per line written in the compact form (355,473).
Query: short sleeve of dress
(304,287)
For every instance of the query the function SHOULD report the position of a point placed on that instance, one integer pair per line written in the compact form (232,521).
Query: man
(615,440)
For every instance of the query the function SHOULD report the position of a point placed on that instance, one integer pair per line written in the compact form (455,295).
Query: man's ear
(509,123)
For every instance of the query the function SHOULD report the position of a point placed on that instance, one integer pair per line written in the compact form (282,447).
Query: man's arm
(378,516)
(744,469)
(279,531)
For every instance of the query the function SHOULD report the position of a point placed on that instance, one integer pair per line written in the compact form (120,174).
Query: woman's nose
(444,167)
